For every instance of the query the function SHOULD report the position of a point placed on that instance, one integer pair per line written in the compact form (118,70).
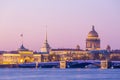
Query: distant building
(46,47)
(93,40)
(46,54)
(115,55)
(22,55)
(108,48)
(92,43)
(70,54)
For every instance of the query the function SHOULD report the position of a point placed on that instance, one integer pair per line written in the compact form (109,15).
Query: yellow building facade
(70,54)
(22,55)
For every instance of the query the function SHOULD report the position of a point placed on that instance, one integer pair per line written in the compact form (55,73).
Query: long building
(46,54)
(22,55)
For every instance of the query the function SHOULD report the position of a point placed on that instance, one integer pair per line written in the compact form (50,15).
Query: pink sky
(68,21)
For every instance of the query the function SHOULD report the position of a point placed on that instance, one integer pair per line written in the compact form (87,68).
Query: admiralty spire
(46,47)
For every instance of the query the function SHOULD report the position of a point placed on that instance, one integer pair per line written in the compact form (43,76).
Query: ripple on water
(58,74)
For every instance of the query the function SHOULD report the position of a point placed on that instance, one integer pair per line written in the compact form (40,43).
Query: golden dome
(93,33)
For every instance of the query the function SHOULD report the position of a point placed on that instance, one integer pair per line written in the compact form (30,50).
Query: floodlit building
(92,43)
(22,55)
(70,54)
(46,47)
(93,40)
(92,52)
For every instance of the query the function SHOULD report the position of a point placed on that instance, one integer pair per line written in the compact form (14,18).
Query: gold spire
(93,29)
(46,35)
(21,35)
(46,48)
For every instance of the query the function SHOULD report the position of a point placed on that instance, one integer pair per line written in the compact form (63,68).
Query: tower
(108,48)
(46,47)
(93,40)
(22,48)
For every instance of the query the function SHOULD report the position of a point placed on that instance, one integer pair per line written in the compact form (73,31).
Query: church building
(93,40)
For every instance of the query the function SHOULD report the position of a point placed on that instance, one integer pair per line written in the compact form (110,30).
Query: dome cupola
(93,33)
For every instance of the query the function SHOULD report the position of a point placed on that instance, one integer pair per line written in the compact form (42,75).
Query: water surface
(58,74)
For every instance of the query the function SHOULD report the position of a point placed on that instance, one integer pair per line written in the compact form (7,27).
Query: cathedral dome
(93,33)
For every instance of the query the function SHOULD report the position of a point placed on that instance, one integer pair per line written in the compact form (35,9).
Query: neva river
(58,74)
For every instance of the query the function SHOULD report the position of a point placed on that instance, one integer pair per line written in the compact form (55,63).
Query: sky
(68,23)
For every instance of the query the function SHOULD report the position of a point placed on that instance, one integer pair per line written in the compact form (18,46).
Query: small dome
(108,48)
(22,48)
(93,33)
